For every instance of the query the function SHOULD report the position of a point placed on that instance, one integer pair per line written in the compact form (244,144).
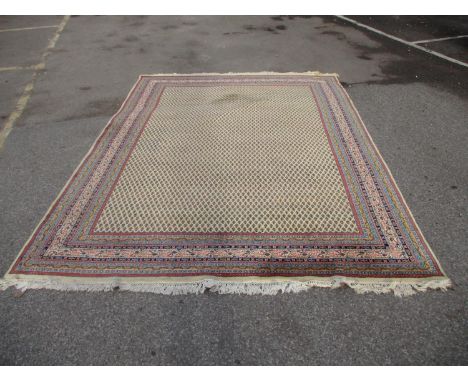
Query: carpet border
(70,179)
(389,173)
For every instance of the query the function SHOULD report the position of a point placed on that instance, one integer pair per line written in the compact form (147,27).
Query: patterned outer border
(389,244)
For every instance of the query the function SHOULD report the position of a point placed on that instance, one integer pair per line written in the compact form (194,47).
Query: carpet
(237,183)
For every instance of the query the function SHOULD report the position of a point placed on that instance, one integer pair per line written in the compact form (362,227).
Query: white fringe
(399,288)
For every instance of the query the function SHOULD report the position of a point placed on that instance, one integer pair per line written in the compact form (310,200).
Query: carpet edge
(308,73)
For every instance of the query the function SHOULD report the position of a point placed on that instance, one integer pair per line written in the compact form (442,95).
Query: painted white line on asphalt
(31,67)
(27,28)
(440,39)
(411,44)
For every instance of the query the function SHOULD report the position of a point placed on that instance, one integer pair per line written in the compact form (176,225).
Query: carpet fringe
(226,287)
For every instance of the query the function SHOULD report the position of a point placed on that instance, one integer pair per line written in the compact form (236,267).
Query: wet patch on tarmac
(112,47)
(252,28)
(292,17)
(131,38)
(99,108)
(168,27)
(413,66)
(413,28)
(404,65)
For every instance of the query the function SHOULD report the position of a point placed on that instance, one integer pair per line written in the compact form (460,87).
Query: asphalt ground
(413,103)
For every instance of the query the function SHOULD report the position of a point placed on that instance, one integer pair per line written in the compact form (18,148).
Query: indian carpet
(237,183)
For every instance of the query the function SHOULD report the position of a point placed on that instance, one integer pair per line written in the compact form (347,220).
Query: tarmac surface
(414,104)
